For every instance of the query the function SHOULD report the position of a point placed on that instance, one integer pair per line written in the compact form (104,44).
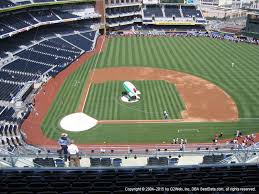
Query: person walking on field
(165,115)
(74,157)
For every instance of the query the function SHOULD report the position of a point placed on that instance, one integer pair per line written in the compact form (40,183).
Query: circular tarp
(77,122)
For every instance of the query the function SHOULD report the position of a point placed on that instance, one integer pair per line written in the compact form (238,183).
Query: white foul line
(92,76)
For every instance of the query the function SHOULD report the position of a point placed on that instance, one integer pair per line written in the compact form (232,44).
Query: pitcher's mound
(77,122)
(125,99)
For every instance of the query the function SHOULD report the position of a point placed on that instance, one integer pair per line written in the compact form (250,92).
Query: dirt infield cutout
(204,101)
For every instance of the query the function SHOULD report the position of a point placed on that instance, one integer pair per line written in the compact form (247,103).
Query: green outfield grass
(104,103)
(203,57)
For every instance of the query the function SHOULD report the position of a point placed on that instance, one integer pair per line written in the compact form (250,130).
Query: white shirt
(72,149)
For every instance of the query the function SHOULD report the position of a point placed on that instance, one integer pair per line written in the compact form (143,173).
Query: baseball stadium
(126,96)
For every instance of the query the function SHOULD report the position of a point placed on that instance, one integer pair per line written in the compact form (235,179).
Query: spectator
(173,142)
(74,158)
(63,142)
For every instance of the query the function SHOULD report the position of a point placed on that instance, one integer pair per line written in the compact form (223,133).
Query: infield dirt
(204,101)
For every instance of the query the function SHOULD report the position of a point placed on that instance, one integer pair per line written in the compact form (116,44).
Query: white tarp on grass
(77,122)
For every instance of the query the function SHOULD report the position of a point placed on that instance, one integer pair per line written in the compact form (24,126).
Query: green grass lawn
(104,103)
(203,57)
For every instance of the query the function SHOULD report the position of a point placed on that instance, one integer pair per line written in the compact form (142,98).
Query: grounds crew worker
(165,115)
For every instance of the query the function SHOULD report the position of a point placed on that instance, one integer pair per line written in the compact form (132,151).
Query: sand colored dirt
(204,101)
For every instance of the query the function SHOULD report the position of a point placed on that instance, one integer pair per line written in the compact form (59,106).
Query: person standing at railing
(63,142)
(74,157)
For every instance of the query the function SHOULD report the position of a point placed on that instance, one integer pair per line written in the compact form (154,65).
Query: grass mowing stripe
(177,102)
(147,101)
(166,103)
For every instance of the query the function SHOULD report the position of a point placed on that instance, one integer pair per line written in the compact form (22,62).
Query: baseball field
(187,71)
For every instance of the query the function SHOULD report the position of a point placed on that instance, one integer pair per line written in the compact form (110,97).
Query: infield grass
(232,66)
(104,103)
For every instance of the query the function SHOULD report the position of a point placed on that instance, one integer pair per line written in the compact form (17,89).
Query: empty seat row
(79,41)
(13,22)
(7,92)
(191,11)
(122,10)
(17,77)
(115,180)
(6,4)
(211,159)
(12,142)
(9,130)
(7,114)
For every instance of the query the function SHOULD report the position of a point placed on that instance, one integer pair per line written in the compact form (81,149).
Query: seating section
(172,10)
(8,90)
(41,1)
(10,135)
(64,15)
(101,180)
(6,4)
(212,159)
(2,108)
(26,17)
(89,35)
(21,65)
(121,20)
(191,11)
(47,54)
(23,2)
(44,15)
(7,114)
(44,162)
(17,77)
(79,41)
(12,22)
(153,10)
(122,10)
